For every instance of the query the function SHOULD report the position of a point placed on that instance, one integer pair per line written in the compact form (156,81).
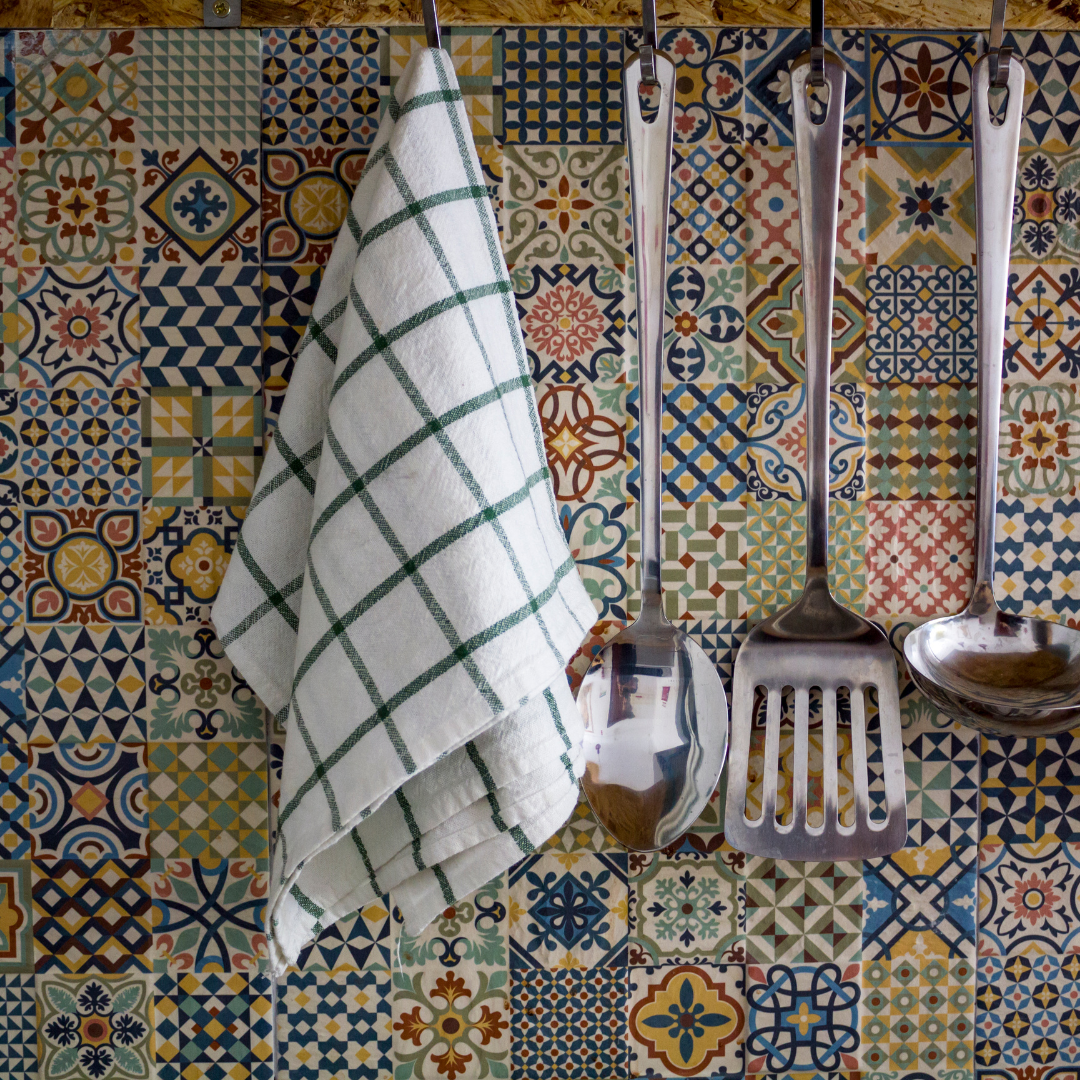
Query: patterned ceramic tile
(17,917)
(565,202)
(775,332)
(942,769)
(1028,1010)
(288,294)
(77,206)
(921,441)
(12,690)
(920,88)
(1039,448)
(1044,207)
(582,831)
(920,324)
(775,554)
(85,684)
(703,568)
(704,331)
(199,206)
(14,802)
(920,556)
(802,912)
(80,448)
(358,942)
(198,87)
(572,319)
(11,524)
(1038,548)
(92,917)
(306,192)
(200,326)
(1030,789)
(569,1023)
(562,85)
(88,801)
(776,442)
(772,211)
(707,224)
(190,1038)
(75,88)
(209,914)
(1042,314)
(82,565)
(336,1024)
(477,54)
(686,1021)
(79,326)
(208,799)
(596,533)
(1028,898)
(704,433)
(195,692)
(320,86)
(7,90)
(802,1018)
(568,912)
(921,903)
(203,445)
(683,910)
(95,1024)
(917,1016)
(920,206)
(766,57)
(18,1024)
(583,430)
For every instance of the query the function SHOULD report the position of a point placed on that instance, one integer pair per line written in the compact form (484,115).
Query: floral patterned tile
(1044,219)
(686,1020)
(704,329)
(1039,448)
(597,535)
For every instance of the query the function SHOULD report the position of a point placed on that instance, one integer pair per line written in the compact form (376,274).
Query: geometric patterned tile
(187,551)
(921,902)
(212,1025)
(208,799)
(356,942)
(942,769)
(202,445)
(209,914)
(1042,342)
(198,87)
(568,1023)
(195,692)
(18,1028)
(92,918)
(917,1015)
(704,437)
(85,685)
(584,435)
(7,91)
(707,226)
(16,917)
(88,801)
(802,912)
(336,1024)
(14,803)
(664,1004)
(12,692)
(288,293)
(1051,115)
(562,85)
(1029,898)
(544,888)
(200,326)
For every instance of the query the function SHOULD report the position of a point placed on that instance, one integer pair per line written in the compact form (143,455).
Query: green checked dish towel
(401,589)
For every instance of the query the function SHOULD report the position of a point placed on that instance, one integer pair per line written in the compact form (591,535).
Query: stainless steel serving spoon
(656,718)
(999,673)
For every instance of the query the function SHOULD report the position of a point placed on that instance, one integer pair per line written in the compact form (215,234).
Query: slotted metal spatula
(815,642)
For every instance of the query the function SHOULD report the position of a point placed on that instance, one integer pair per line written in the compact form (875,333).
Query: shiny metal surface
(656,719)
(1002,674)
(815,642)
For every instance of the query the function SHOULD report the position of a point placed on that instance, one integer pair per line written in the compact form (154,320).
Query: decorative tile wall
(168,200)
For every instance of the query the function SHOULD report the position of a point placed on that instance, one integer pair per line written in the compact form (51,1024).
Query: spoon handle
(817,174)
(649,144)
(995,148)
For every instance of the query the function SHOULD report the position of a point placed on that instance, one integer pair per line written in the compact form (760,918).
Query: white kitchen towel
(401,589)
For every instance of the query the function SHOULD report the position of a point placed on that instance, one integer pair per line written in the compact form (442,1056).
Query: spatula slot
(764,794)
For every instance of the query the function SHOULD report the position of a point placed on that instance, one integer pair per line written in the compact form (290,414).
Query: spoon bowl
(656,732)
(1002,674)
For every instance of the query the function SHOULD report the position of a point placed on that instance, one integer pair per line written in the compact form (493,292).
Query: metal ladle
(999,673)
(656,718)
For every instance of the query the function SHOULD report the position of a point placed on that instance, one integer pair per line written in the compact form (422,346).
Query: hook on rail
(1000,55)
(431,24)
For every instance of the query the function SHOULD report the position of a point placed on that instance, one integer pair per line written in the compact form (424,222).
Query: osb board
(1023,14)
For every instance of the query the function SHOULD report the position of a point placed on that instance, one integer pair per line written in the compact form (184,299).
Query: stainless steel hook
(647,52)
(817,43)
(431,25)
(1000,55)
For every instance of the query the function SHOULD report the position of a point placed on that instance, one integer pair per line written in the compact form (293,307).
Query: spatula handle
(817,159)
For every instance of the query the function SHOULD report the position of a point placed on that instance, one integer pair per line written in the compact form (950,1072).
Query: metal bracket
(648,43)
(431,25)
(1000,55)
(221,14)
(817,43)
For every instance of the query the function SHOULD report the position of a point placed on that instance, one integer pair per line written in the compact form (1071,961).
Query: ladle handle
(817,161)
(995,147)
(650,145)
